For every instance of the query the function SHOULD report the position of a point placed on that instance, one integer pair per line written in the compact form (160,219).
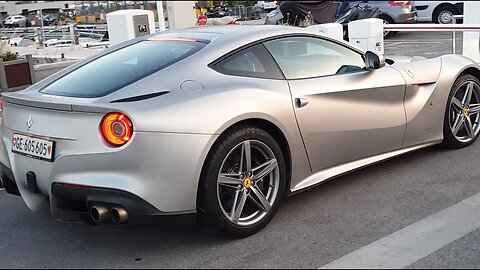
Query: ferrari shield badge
(409,73)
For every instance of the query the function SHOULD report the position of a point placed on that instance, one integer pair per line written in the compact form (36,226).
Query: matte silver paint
(345,122)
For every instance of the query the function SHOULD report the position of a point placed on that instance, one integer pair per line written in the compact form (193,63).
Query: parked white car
(267,5)
(441,12)
(16,21)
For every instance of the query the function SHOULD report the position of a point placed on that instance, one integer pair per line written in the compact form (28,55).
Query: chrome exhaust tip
(119,215)
(99,214)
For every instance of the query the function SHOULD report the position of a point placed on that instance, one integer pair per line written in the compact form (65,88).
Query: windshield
(120,68)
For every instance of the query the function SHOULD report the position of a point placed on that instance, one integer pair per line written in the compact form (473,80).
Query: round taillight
(117,129)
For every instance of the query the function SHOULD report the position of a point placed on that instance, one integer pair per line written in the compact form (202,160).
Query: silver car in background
(223,122)
(395,12)
(391,12)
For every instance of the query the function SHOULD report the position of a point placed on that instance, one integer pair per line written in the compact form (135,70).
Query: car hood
(404,59)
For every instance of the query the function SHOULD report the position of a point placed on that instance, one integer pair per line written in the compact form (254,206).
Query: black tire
(439,10)
(210,208)
(449,140)
(387,20)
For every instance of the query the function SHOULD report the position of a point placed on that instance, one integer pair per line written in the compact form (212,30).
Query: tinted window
(254,61)
(121,68)
(306,57)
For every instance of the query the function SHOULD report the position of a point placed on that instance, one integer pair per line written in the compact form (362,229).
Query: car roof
(239,33)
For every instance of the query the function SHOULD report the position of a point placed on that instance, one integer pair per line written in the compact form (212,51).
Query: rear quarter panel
(427,95)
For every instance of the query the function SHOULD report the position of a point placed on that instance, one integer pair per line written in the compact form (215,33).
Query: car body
(223,121)
(441,12)
(395,12)
(267,6)
(16,21)
(50,19)
(391,12)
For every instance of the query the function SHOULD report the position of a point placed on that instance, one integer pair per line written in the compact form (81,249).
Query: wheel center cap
(466,111)
(247,182)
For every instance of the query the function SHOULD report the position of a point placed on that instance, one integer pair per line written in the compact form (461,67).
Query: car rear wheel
(462,115)
(243,182)
(444,15)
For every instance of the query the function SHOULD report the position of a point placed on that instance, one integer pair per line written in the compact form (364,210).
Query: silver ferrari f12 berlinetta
(223,122)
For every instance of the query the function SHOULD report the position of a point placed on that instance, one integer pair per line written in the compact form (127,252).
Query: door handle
(301,102)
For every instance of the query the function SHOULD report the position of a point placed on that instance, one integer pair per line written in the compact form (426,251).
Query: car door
(344,112)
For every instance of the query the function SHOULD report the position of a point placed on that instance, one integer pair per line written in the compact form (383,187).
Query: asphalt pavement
(310,230)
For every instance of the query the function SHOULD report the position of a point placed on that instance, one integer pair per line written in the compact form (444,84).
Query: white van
(441,12)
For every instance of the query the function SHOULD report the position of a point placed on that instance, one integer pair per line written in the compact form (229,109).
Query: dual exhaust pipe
(100,214)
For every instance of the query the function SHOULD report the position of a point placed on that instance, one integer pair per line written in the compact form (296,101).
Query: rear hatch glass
(122,67)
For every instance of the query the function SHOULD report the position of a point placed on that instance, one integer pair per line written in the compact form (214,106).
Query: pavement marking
(416,241)
(418,40)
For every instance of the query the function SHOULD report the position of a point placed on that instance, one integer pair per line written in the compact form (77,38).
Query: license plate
(33,147)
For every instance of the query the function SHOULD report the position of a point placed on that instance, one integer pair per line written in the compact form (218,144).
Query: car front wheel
(243,182)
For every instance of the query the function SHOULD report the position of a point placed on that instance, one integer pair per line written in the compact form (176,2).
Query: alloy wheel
(445,17)
(248,183)
(465,112)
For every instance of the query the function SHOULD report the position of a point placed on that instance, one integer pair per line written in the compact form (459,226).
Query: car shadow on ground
(315,218)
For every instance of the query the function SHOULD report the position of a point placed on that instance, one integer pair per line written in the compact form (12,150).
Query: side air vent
(139,98)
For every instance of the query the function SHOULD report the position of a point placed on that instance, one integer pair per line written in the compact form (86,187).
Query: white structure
(471,40)
(367,34)
(161,20)
(181,14)
(128,24)
(333,30)
(12,8)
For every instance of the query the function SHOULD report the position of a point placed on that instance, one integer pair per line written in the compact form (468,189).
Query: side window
(308,57)
(254,61)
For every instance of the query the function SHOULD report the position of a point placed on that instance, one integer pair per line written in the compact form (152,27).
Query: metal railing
(454,27)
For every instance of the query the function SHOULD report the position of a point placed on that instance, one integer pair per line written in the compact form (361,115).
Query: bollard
(367,34)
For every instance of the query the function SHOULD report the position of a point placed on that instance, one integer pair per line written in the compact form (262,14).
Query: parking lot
(310,230)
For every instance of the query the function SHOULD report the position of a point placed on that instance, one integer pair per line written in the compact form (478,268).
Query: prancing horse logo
(29,122)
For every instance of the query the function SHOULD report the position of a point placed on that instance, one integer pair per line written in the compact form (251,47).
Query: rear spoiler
(54,104)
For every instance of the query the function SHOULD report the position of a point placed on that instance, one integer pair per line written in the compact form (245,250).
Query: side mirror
(374,61)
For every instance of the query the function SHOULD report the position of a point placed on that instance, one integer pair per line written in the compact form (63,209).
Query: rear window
(120,68)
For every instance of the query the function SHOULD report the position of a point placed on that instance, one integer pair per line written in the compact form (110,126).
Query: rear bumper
(406,18)
(79,199)
(156,174)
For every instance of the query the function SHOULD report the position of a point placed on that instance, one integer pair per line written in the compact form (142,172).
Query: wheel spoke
(474,108)
(229,179)
(268,167)
(469,127)
(468,94)
(248,156)
(457,125)
(239,208)
(260,199)
(235,200)
(242,157)
(458,104)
